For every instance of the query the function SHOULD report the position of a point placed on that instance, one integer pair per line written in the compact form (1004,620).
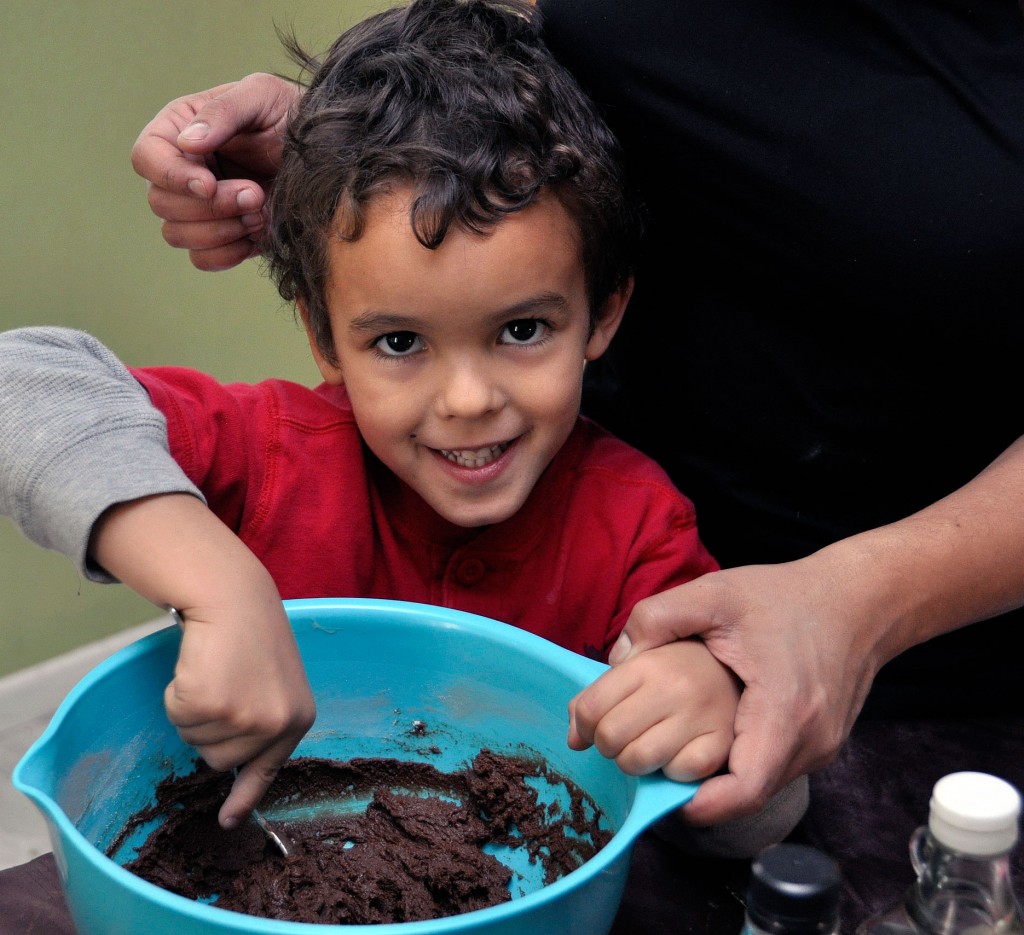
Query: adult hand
(209,159)
(805,659)
(808,637)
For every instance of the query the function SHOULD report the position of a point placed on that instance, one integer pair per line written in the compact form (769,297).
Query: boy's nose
(468,391)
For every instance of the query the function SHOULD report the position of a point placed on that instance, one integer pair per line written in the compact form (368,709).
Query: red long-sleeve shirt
(285,468)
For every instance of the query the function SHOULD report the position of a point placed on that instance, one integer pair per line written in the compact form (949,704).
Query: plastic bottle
(793,890)
(962,863)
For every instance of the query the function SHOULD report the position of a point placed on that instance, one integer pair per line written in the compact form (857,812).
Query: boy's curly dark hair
(461,100)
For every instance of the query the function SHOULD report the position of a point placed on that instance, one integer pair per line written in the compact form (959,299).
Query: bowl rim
(654,795)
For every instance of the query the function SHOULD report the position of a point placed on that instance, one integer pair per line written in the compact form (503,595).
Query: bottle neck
(958,892)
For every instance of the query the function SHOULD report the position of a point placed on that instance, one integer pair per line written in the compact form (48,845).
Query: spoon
(264,825)
(268,830)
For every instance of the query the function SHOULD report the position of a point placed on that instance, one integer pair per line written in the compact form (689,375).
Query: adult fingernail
(620,650)
(229,824)
(247,200)
(196,131)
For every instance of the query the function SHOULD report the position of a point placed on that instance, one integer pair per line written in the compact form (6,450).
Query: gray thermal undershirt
(78,434)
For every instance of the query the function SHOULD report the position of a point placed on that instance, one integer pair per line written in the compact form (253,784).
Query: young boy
(451,223)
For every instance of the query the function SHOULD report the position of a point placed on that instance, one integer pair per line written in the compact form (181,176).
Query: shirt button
(470,572)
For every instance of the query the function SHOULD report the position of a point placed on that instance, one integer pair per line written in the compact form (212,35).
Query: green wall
(79,246)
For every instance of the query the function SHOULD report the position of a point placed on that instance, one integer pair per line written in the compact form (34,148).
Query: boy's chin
(476,516)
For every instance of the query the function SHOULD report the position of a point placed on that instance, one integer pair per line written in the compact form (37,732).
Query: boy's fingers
(250,785)
(589,710)
(254,778)
(181,714)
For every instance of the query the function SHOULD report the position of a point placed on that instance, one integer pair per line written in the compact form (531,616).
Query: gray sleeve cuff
(78,434)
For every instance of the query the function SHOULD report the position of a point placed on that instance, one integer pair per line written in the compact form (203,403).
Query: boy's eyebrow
(374,322)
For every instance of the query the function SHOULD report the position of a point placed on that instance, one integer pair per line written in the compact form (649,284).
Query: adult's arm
(808,637)
(209,159)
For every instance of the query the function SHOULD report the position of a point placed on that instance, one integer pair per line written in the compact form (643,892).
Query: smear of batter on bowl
(420,850)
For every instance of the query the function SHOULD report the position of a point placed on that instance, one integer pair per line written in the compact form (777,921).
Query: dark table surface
(864,808)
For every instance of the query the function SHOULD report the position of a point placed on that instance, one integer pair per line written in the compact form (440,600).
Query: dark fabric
(863,810)
(31,901)
(865,806)
(826,330)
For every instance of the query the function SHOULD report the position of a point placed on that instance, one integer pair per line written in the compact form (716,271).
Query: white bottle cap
(974,814)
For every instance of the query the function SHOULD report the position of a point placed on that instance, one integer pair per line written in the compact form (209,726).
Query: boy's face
(464,364)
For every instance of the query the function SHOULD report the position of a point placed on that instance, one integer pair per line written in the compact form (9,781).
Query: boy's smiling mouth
(474,457)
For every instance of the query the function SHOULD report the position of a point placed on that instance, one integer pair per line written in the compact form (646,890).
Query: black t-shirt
(827,328)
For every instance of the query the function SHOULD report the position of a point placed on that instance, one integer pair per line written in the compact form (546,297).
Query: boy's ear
(608,321)
(330,372)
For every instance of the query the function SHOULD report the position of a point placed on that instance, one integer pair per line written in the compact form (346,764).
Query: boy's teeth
(474,457)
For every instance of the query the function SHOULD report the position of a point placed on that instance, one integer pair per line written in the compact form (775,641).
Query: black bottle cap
(793,888)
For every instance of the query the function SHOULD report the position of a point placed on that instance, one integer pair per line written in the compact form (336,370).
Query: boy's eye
(399,343)
(524,331)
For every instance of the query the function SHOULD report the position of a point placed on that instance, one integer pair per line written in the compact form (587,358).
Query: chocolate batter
(415,852)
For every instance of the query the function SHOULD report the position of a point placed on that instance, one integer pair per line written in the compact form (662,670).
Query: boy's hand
(787,632)
(239,693)
(209,159)
(670,708)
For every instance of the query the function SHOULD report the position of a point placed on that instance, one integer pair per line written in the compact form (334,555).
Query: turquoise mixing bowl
(375,667)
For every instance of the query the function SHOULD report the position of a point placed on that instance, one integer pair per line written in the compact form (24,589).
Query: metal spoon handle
(274,837)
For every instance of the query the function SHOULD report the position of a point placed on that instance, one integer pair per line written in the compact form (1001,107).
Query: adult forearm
(808,637)
(956,562)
